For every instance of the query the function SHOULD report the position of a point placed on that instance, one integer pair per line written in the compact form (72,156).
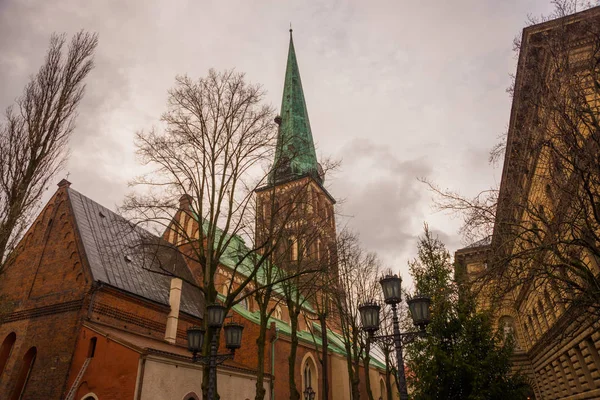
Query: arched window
(224,289)
(309,375)
(6,349)
(543,314)
(191,396)
(382,393)
(507,325)
(24,372)
(90,396)
(277,313)
(245,304)
(533,331)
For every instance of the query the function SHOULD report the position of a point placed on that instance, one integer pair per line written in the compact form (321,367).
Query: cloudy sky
(395,89)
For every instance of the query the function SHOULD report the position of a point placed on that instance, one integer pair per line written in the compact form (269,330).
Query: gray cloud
(397,89)
(385,201)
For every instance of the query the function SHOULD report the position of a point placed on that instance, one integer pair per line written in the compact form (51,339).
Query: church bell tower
(294,199)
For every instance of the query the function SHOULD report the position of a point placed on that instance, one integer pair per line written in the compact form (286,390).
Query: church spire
(295,155)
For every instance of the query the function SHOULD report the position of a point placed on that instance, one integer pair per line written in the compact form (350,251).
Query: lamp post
(233,341)
(419,308)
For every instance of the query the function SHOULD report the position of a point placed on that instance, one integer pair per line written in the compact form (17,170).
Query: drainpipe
(273,362)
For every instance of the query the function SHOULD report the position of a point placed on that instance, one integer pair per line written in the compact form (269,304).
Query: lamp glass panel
(391,287)
(419,309)
(195,338)
(369,314)
(216,315)
(233,335)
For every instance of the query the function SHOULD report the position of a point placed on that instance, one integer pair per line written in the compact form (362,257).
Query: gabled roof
(486,241)
(130,258)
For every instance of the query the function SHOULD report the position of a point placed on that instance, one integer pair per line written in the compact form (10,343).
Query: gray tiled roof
(130,258)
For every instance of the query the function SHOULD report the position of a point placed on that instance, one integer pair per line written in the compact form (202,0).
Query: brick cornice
(42,311)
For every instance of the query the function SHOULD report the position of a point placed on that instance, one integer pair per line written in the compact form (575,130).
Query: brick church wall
(42,297)
(112,372)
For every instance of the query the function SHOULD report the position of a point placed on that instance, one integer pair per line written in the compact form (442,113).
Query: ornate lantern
(369,317)
(233,335)
(391,285)
(216,315)
(419,310)
(195,338)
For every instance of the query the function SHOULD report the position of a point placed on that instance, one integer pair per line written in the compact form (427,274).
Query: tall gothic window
(507,324)
(382,394)
(309,376)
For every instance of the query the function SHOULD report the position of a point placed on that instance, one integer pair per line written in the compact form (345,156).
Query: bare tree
(35,134)
(307,265)
(358,272)
(217,134)
(323,292)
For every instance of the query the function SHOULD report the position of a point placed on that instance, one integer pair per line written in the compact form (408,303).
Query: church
(86,315)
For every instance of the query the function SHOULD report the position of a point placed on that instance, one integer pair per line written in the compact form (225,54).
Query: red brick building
(86,312)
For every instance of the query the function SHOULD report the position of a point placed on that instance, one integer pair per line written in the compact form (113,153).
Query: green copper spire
(295,155)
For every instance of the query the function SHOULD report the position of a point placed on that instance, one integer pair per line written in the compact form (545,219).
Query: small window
(293,245)
(92,347)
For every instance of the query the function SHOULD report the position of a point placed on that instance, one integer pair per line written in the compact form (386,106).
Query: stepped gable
(130,258)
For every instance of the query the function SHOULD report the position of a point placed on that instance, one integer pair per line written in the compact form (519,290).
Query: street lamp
(391,286)
(233,340)
(309,393)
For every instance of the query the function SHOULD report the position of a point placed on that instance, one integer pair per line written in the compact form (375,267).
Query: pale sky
(395,89)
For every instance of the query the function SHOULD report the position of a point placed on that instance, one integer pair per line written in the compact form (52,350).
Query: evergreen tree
(462,356)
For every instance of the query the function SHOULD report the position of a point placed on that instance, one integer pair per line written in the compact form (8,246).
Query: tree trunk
(260,363)
(355,365)
(388,376)
(325,362)
(366,364)
(294,393)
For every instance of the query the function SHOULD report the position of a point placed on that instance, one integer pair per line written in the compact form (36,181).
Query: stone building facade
(557,343)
